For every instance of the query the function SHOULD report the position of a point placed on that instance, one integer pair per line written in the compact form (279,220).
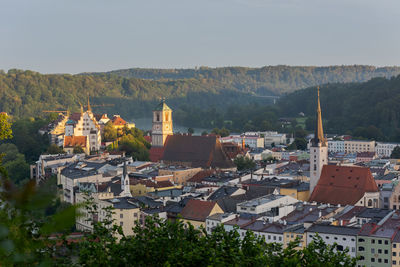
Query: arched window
(166,116)
(158,117)
(369,203)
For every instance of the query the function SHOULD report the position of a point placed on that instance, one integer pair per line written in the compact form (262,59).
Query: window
(362,258)
(394,262)
(158,117)
(373,241)
(372,259)
(274,237)
(394,245)
(361,248)
(344,238)
(386,242)
(379,241)
(121,215)
(379,251)
(379,260)
(394,254)
(121,223)
(372,250)
(386,251)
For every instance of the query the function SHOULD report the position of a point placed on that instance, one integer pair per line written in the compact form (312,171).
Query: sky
(73,36)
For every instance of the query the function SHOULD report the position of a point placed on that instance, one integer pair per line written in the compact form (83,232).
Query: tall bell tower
(162,124)
(318,149)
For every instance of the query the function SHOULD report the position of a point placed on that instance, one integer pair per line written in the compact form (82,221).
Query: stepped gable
(195,151)
(344,185)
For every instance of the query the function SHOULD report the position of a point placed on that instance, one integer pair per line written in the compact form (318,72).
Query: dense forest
(369,110)
(366,110)
(268,80)
(27,93)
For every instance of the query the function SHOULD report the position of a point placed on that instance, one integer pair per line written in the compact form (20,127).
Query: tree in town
(395,153)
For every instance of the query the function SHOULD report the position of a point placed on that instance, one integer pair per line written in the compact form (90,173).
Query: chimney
(319,214)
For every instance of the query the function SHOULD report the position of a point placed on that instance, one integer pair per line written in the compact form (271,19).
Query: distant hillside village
(345,190)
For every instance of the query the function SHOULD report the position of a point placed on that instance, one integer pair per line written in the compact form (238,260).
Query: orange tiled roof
(73,141)
(118,121)
(344,185)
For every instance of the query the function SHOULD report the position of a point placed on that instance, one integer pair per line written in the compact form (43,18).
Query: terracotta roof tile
(198,151)
(118,121)
(156,153)
(197,210)
(344,185)
(198,177)
(73,141)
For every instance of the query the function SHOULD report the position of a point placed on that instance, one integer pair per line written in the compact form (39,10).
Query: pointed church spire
(319,137)
(88,104)
(125,185)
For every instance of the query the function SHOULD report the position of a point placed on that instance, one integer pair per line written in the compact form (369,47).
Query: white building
(335,146)
(217,219)
(385,149)
(274,138)
(345,237)
(272,206)
(250,141)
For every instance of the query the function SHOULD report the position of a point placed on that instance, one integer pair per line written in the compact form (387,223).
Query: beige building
(180,175)
(125,213)
(355,146)
(292,233)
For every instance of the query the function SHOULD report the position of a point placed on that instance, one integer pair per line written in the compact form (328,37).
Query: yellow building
(142,187)
(180,175)
(300,192)
(196,212)
(294,232)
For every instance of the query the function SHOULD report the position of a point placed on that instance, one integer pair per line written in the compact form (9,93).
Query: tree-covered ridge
(27,93)
(266,80)
(369,109)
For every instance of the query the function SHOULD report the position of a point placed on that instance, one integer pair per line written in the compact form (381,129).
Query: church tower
(162,124)
(318,149)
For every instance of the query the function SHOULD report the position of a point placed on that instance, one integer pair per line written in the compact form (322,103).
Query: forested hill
(369,109)
(275,80)
(28,93)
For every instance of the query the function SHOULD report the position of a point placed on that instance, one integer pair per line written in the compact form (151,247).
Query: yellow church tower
(162,124)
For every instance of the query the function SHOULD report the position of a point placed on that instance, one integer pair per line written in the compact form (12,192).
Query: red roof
(73,141)
(197,210)
(147,138)
(118,121)
(156,153)
(198,177)
(344,185)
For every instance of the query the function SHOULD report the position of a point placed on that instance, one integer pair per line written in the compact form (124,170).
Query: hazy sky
(73,36)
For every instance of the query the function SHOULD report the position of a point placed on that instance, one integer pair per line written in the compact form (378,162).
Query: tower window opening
(158,117)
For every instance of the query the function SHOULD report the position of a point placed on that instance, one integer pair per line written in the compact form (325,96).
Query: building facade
(162,124)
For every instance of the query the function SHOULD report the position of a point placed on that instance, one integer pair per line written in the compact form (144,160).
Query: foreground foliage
(165,243)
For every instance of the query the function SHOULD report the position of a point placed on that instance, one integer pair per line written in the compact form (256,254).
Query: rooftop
(331,229)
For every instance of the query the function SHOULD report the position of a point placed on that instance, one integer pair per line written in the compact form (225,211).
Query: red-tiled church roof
(344,185)
(197,151)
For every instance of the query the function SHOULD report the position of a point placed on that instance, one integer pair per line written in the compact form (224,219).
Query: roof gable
(344,185)
(197,210)
(199,151)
